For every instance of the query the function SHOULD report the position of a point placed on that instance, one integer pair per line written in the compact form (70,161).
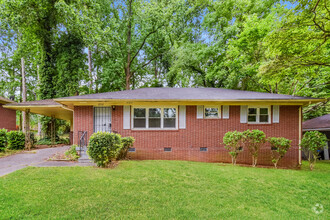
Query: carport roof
(47,107)
(319,124)
(4,100)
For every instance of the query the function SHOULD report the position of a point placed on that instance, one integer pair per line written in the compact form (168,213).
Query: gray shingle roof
(185,94)
(317,123)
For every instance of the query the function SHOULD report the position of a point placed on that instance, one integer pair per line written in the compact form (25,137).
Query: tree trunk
(39,125)
(27,130)
(129,39)
(128,78)
(23,92)
(90,70)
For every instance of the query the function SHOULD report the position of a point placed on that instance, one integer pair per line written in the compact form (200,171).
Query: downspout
(300,133)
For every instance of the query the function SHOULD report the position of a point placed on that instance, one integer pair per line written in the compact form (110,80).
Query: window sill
(259,123)
(155,129)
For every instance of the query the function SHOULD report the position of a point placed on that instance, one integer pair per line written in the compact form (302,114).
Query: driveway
(18,161)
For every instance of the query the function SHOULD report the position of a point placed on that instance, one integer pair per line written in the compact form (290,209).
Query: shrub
(104,147)
(44,141)
(311,143)
(253,140)
(279,147)
(127,142)
(63,141)
(72,153)
(48,141)
(16,140)
(3,139)
(234,142)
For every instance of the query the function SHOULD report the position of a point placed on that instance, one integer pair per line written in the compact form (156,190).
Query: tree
(253,140)
(279,147)
(311,143)
(301,40)
(234,143)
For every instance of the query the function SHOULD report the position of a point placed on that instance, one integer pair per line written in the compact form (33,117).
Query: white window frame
(161,120)
(258,115)
(212,106)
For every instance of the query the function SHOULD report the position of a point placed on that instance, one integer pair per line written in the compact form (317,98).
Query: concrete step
(85,161)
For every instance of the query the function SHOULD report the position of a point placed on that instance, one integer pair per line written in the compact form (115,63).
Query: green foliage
(311,143)
(16,140)
(70,64)
(104,147)
(127,142)
(48,141)
(279,147)
(72,153)
(253,140)
(3,139)
(234,143)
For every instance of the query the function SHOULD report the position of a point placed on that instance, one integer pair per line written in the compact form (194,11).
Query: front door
(102,119)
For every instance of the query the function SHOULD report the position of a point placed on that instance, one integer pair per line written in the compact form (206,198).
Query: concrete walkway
(19,161)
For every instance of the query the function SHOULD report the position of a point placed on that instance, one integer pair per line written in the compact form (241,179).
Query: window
(212,112)
(154,118)
(258,115)
(203,149)
(131,149)
(139,118)
(169,117)
(167,149)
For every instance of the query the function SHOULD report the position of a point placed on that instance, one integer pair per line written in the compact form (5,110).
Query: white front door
(102,119)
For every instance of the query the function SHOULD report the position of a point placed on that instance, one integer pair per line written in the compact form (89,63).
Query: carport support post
(326,152)
(27,130)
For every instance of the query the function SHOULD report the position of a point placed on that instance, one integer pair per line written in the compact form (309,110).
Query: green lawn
(167,190)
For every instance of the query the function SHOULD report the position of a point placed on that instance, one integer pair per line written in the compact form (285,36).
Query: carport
(46,107)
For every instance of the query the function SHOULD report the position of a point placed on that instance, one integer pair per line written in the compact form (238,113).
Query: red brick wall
(7,118)
(208,133)
(82,121)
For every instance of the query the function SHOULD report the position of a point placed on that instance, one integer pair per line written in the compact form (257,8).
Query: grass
(8,152)
(165,190)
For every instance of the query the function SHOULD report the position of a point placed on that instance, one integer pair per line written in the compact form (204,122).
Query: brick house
(181,123)
(7,116)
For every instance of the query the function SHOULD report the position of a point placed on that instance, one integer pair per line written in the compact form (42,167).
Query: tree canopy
(257,45)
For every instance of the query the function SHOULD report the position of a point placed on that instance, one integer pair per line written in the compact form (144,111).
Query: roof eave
(57,111)
(305,101)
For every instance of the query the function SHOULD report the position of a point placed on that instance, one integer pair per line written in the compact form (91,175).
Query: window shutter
(225,111)
(276,113)
(127,117)
(182,117)
(244,110)
(200,111)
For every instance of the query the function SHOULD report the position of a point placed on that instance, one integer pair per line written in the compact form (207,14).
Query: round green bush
(16,140)
(127,142)
(104,147)
(3,139)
